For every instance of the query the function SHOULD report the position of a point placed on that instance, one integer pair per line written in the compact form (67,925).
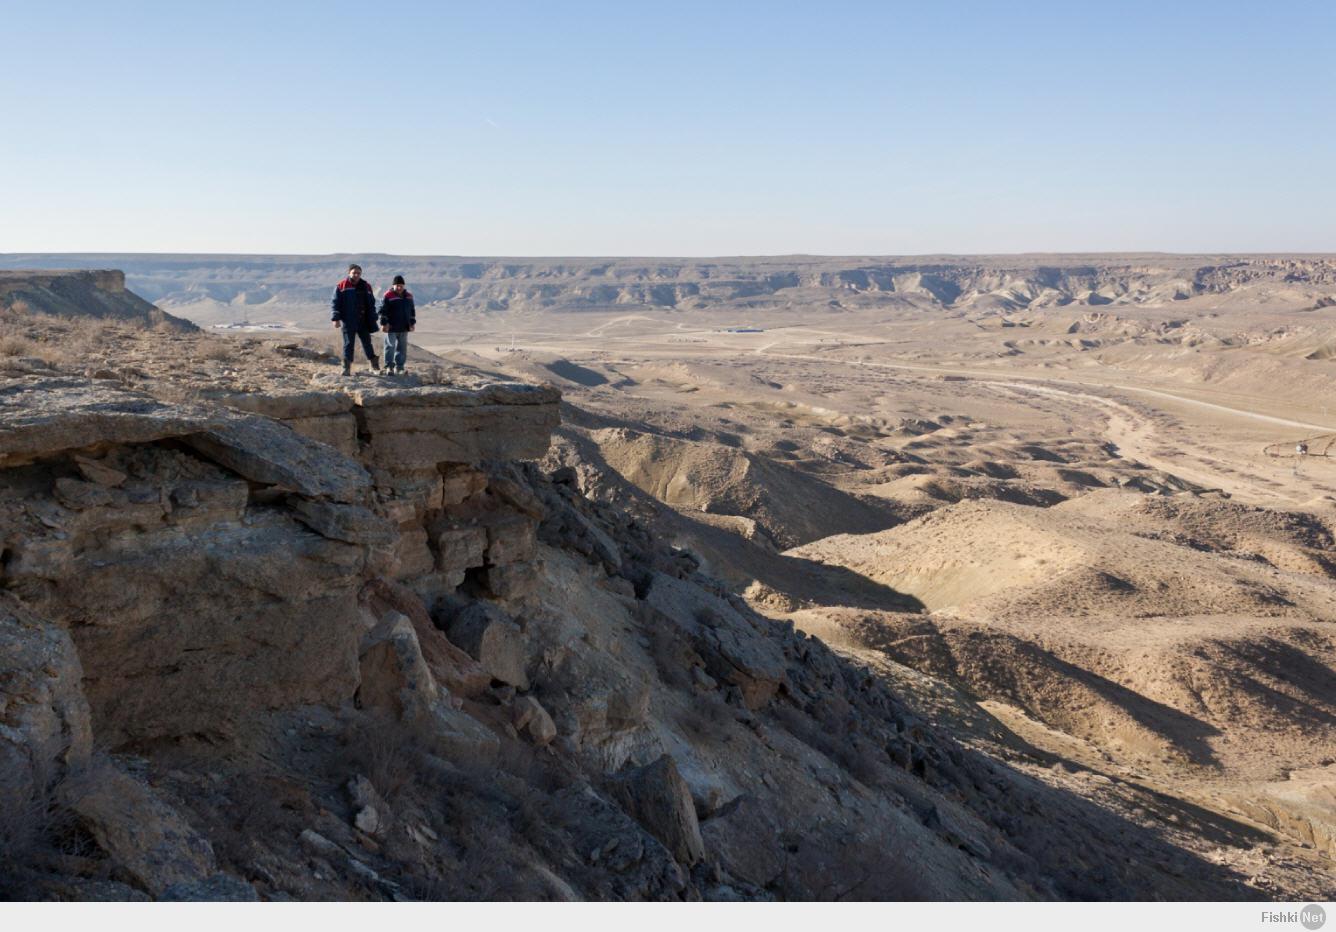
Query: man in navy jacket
(353,308)
(398,315)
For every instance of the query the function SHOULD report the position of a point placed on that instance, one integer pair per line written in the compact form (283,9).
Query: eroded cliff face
(207,563)
(225,288)
(83,293)
(325,638)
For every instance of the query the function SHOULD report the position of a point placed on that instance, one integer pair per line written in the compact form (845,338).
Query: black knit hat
(398,280)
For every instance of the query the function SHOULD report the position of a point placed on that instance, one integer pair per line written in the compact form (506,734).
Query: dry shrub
(36,832)
(15,346)
(385,751)
(71,341)
(221,351)
(261,807)
(434,374)
(25,830)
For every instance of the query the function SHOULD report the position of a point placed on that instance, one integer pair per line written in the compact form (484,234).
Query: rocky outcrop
(421,428)
(45,729)
(81,293)
(144,837)
(44,415)
(269,453)
(733,651)
(658,798)
(494,640)
(207,562)
(181,571)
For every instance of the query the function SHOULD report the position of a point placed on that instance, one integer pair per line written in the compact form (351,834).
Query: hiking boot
(375,364)
(347,368)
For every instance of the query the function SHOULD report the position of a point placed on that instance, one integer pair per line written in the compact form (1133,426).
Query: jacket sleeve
(412,312)
(334,305)
(385,310)
(369,307)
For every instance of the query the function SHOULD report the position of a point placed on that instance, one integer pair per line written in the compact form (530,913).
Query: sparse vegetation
(26,820)
(15,346)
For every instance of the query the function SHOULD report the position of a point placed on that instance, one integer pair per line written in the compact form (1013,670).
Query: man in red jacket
(353,308)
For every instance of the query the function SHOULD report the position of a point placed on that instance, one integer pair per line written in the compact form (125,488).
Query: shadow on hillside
(1183,732)
(1126,852)
(825,584)
(1002,666)
(580,375)
(1314,680)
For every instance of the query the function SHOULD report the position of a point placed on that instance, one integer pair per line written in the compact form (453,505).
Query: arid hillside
(81,294)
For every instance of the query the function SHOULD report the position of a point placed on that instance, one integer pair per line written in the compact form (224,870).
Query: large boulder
(141,834)
(268,452)
(530,717)
(394,674)
(458,737)
(450,666)
(45,729)
(397,680)
(657,797)
(493,639)
(422,427)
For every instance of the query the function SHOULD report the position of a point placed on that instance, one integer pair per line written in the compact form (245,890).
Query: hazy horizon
(350,255)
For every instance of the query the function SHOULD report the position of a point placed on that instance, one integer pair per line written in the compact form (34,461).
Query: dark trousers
(350,337)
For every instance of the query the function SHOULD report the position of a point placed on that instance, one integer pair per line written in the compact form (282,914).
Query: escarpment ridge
(217,289)
(81,293)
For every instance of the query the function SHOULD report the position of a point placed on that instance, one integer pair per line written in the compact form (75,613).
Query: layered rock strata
(207,562)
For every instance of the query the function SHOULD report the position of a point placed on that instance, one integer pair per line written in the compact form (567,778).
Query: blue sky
(683,128)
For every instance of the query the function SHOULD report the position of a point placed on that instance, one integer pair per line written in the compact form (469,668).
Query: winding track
(1133,433)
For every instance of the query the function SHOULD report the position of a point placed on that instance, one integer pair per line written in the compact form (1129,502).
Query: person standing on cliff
(398,315)
(353,309)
